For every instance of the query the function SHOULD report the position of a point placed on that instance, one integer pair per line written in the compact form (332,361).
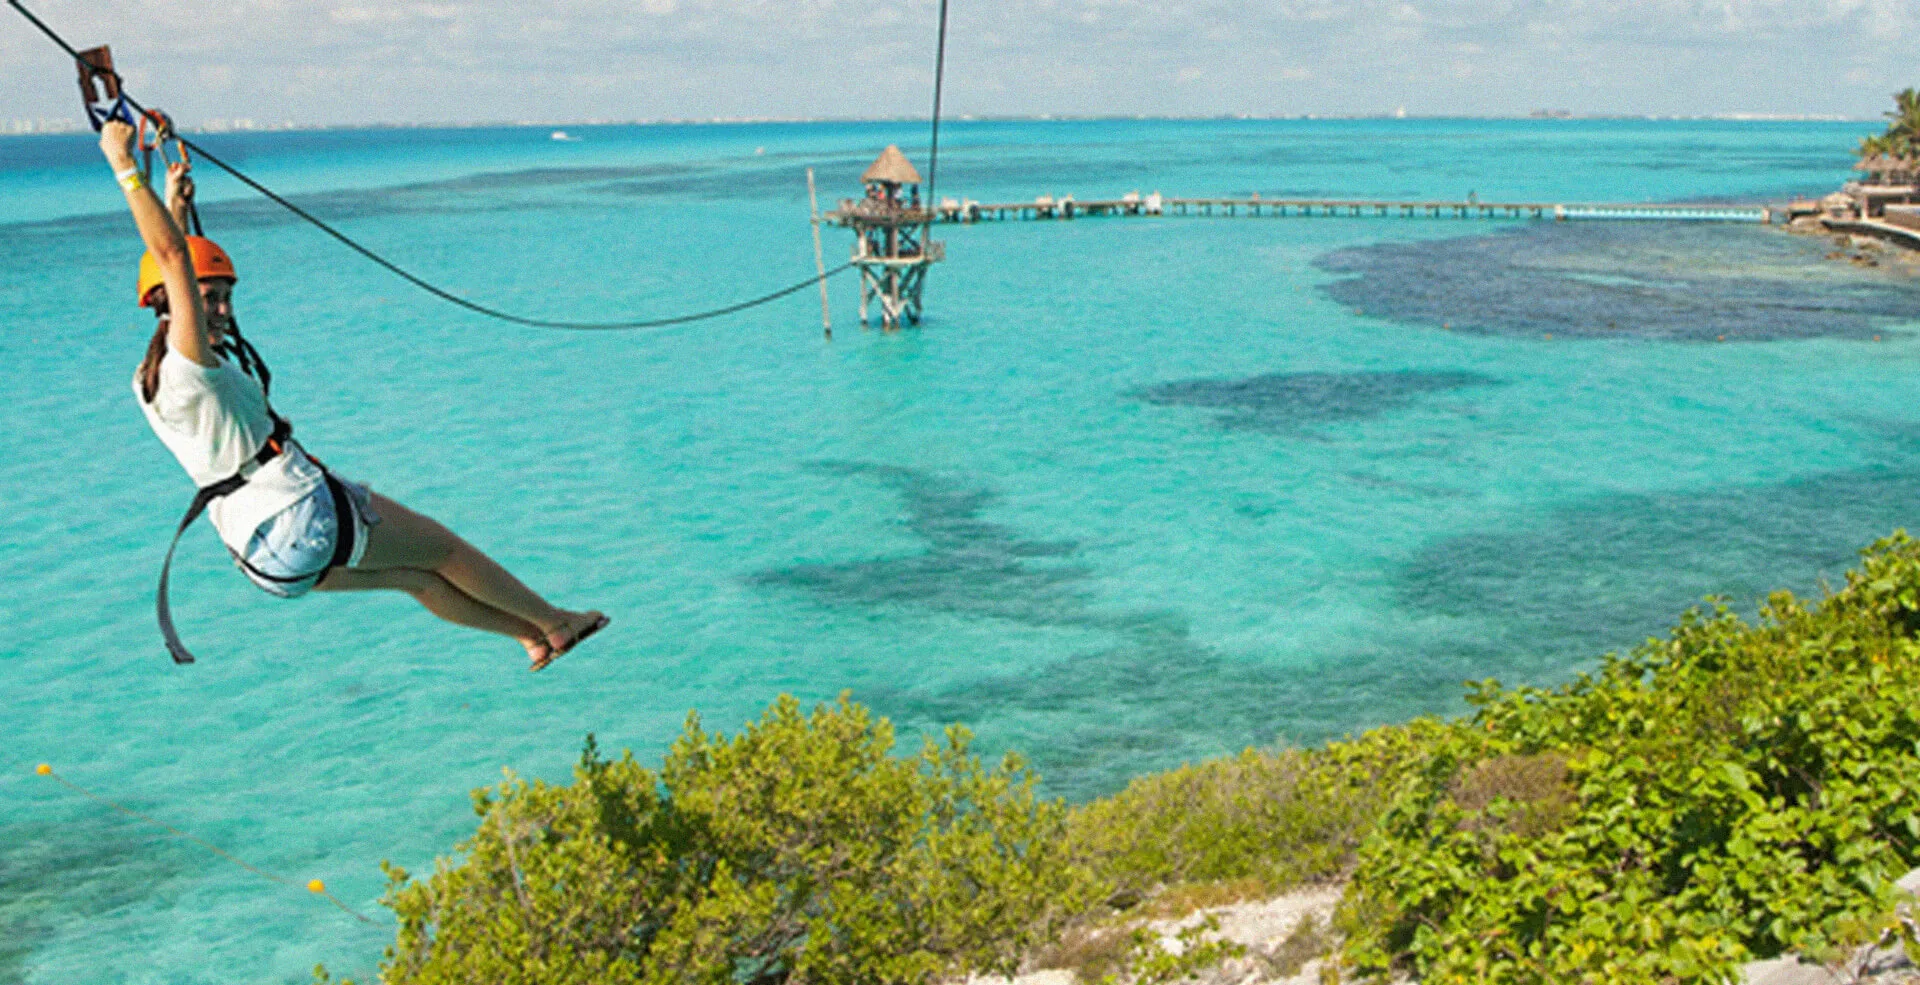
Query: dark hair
(149,374)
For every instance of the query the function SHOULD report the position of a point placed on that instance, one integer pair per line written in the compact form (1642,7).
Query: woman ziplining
(290,523)
(204,390)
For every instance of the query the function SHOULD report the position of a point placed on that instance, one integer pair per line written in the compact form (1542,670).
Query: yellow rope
(314,886)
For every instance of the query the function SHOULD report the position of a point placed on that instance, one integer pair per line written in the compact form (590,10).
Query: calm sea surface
(1138,492)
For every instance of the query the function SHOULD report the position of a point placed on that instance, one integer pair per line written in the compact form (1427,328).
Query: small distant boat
(562,135)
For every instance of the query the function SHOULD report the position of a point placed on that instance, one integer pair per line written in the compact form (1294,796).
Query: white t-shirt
(214,419)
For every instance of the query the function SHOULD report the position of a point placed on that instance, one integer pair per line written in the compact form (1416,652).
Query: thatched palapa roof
(1884,162)
(893,168)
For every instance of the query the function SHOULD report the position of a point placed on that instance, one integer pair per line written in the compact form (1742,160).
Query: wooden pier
(893,244)
(1046,207)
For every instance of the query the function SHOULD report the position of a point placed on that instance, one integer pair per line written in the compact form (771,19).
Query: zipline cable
(314,886)
(481,308)
(933,152)
(410,278)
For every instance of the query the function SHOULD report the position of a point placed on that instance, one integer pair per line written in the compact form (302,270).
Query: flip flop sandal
(555,653)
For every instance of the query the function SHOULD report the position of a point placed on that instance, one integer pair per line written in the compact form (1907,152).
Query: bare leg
(442,599)
(405,539)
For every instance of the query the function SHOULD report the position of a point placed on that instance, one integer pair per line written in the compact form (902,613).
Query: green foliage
(1197,947)
(800,850)
(1307,941)
(1730,792)
(1523,796)
(1130,952)
(1222,831)
(1902,138)
(1260,822)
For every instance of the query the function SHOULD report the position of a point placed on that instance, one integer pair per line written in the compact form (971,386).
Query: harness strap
(236,347)
(343,537)
(163,609)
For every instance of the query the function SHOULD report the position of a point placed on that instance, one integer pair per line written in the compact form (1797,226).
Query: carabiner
(151,135)
(156,128)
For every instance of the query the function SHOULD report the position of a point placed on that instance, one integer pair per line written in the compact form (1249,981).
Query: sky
(452,61)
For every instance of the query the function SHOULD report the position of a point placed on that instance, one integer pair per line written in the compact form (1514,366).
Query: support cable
(933,152)
(416,281)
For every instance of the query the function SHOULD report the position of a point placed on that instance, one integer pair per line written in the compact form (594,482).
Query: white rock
(1787,971)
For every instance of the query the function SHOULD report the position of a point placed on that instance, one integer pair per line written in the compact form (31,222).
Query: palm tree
(1903,130)
(1902,139)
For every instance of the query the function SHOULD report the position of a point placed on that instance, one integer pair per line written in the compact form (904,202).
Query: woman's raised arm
(180,193)
(187,326)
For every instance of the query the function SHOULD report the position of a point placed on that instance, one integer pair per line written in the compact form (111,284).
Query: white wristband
(129,179)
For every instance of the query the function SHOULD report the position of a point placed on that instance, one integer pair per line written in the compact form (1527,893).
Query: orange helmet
(209,262)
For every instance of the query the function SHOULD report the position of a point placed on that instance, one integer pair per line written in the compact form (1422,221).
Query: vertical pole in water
(819,264)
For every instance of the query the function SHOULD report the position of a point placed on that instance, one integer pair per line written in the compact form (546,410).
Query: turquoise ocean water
(1138,492)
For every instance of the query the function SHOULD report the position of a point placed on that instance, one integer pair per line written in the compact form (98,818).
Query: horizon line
(43,127)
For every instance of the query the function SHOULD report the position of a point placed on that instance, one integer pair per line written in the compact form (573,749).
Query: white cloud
(417,60)
(364,15)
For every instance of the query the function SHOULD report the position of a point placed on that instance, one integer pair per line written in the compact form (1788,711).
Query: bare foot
(572,629)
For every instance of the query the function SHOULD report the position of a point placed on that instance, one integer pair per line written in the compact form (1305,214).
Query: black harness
(243,353)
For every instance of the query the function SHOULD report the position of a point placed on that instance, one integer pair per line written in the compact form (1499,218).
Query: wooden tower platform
(891,247)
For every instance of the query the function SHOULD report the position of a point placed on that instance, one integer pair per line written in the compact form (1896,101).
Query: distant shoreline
(46,128)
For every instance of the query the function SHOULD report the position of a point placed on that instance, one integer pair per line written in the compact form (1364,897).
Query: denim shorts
(298,542)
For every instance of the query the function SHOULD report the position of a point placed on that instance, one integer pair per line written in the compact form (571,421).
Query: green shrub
(800,850)
(1197,947)
(1129,951)
(1730,792)
(1523,796)
(1257,823)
